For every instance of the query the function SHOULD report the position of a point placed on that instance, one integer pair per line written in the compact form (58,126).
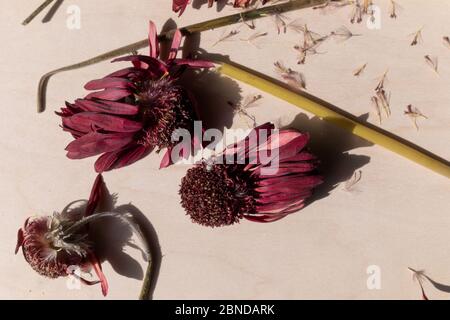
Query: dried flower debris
(292,78)
(413,113)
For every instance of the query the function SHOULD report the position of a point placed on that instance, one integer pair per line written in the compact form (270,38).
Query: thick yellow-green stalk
(337,116)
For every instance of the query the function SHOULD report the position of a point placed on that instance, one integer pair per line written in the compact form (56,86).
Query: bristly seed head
(164,108)
(48,251)
(217,195)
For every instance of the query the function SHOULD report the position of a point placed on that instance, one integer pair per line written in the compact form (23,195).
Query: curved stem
(84,221)
(198,27)
(44,5)
(145,293)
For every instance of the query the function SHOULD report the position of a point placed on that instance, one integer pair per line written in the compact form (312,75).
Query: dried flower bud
(216,194)
(53,244)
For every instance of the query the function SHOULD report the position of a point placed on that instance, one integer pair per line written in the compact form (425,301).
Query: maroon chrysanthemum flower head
(54,245)
(133,110)
(254,187)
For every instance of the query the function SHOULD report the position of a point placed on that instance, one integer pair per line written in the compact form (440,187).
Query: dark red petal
(153,40)
(292,185)
(95,196)
(111,107)
(156,66)
(98,270)
(264,218)
(110,82)
(132,155)
(278,207)
(20,239)
(86,121)
(176,41)
(121,158)
(193,63)
(167,159)
(303,156)
(284,169)
(95,143)
(111,94)
(127,72)
(242,148)
(287,143)
(265,199)
(179,5)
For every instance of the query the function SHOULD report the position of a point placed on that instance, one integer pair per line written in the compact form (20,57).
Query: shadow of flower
(332,145)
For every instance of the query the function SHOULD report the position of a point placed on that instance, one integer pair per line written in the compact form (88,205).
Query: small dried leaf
(432,62)
(360,70)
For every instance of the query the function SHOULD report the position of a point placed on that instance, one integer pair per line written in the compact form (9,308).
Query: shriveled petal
(95,196)
(111,107)
(86,121)
(285,144)
(303,156)
(249,143)
(167,159)
(265,199)
(180,6)
(98,270)
(129,73)
(111,94)
(154,65)
(291,185)
(193,63)
(265,218)
(122,158)
(109,82)
(279,207)
(153,40)
(176,41)
(285,168)
(20,239)
(95,143)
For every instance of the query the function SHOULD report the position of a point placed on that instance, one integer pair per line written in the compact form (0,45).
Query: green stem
(147,282)
(39,9)
(198,27)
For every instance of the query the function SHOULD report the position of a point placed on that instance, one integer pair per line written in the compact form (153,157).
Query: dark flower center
(165,107)
(217,195)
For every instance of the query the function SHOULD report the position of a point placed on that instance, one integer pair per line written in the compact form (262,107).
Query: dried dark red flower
(53,245)
(133,110)
(218,194)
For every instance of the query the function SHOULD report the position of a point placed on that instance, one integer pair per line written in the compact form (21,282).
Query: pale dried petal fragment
(419,276)
(376,106)
(417,37)
(432,62)
(414,113)
(227,35)
(393,9)
(359,70)
(255,36)
(446,41)
(351,183)
(292,78)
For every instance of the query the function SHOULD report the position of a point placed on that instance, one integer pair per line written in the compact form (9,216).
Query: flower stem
(339,117)
(39,9)
(145,293)
(198,27)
